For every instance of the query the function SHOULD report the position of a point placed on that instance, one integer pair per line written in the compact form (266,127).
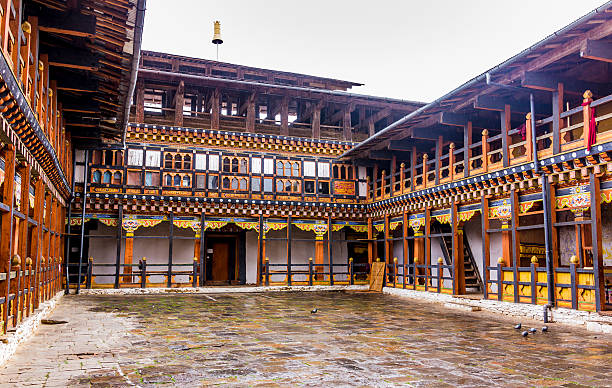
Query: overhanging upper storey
(189,92)
(557,70)
(66,75)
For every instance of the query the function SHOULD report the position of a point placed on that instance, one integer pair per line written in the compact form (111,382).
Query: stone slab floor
(355,339)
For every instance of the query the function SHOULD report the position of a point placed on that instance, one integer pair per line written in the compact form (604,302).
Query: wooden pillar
(196,247)
(316,122)
(319,256)
(557,123)
(260,248)
(128,256)
(179,102)
(485,149)
(371,244)
(24,48)
(6,243)
(330,257)
(427,253)
(419,253)
(405,247)
(438,157)
(458,259)
(170,249)
(451,161)
(347,130)
(215,109)
(553,219)
(413,162)
(596,238)
(118,244)
(371,127)
(528,136)
(289,238)
(586,117)
(39,197)
(515,241)
(251,114)
(392,176)
(467,152)
(375,181)
(284,115)
(140,96)
(486,252)
(425,157)
(505,117)
(24,208)
(387,244)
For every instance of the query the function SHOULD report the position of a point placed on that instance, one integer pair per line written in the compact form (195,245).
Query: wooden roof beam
(550,83)
(73,58)
(434,132)
(388,155)
(71,24)
(597,50)
(407,144)
(498,104)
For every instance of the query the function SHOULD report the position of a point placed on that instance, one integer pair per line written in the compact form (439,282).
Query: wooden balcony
(451,165)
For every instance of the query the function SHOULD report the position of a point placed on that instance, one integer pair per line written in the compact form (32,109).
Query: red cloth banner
(592,135)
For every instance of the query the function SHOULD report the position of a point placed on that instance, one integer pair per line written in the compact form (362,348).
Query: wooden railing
(420,276)
(574,286)
(309,274)
(487,154)
(29,286)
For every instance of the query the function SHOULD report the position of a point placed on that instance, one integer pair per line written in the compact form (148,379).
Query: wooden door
(219,263)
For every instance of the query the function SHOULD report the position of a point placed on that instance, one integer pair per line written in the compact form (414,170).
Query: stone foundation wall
(590,321)
(26,329)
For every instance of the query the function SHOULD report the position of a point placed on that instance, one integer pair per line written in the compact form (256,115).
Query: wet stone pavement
(272,339)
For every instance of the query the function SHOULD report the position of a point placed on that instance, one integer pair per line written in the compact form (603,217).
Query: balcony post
(451,161)
(402,177)
(589,139)
(425,170)
(485,150)
(528,135)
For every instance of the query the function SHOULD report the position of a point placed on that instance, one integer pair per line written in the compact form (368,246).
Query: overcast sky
(416,50)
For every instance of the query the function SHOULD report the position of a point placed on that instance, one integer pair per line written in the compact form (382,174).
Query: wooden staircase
(473,280)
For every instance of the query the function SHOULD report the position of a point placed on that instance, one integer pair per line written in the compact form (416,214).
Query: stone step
(461,306)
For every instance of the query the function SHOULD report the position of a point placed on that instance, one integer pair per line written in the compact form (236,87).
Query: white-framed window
(213,162)
(134,157)
(309,168)
(153,158)
(268,166)
(256,165)
(200,162)
(323,170)
(79,155)
(79,174)
(361,171)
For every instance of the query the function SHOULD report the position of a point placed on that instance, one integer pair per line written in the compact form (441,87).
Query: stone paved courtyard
(355,339)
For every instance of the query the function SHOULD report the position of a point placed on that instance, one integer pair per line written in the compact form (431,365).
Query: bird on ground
(525,333)
(545,328)
(533,330)
(314,311)
(518,326)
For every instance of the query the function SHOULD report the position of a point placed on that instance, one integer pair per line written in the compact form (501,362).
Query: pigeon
(518,326)
(525,333)
(314,311)
(533,330)
(545,328)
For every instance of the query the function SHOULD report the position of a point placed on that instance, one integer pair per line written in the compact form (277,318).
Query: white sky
(416,50)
